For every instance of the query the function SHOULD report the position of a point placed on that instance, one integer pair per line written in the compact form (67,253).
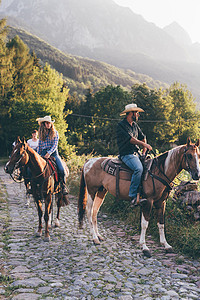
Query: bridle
(169,183)
(16,166)
(186,160)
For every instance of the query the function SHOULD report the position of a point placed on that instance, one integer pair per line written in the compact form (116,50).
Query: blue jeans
(60,167)
(134,163)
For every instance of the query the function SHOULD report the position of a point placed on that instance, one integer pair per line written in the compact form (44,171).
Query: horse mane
(35,154)
(166,157)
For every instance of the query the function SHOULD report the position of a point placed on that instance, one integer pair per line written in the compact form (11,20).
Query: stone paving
(71,267)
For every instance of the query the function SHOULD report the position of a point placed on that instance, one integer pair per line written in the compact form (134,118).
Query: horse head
(18,157)
(191,159)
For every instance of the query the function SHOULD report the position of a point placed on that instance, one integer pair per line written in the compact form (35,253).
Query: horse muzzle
(8,168)
(195,175)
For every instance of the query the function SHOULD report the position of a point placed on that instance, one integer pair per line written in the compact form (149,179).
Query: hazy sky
(163,12)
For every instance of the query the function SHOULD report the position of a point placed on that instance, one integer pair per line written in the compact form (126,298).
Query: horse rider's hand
(148,147)
(47,155)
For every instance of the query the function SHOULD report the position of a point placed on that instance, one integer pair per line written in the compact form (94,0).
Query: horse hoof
(169,250)
(47,239)
(38,234)
(96,242)
(57,223)
(146,253)
(80,226)
(101,238)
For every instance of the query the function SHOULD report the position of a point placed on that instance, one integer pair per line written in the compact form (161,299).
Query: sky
(163,12)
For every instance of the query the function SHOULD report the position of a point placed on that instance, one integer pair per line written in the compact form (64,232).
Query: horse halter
(16,165)
(185,157)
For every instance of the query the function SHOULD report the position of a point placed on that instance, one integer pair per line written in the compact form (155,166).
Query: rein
(163,181)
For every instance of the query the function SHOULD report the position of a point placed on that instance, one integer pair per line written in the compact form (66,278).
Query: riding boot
(65,190)
(142,201)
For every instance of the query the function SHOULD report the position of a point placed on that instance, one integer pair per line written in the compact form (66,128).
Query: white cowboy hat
(45,119)
(131,107)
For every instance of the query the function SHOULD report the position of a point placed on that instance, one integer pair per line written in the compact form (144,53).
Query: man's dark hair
(35,131)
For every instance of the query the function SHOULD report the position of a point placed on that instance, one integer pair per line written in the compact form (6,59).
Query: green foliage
(164,121)
(184,113)
(181,230)
(82,73)
(28,91)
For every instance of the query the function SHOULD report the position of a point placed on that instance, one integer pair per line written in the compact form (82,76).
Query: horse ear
(18,140)
(198,143)
(188,141)
(23,140)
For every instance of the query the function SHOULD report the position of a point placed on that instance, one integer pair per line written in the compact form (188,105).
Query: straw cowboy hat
(45,119)
(131,107)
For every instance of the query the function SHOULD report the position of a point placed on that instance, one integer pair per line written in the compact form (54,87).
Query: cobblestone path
(71,267)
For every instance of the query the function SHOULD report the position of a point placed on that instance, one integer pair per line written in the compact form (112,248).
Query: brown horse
(95,183)
(43,182)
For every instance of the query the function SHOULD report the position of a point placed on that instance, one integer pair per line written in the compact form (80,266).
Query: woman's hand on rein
(47,155)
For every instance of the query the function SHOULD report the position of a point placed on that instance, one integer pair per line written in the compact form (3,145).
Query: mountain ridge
(82,71)
(104,31)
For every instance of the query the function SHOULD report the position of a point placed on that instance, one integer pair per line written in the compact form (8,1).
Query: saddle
(113,166)
(116,167)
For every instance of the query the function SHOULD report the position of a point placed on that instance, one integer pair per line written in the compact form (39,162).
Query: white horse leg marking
(27,202)
(57,223)
(162,236)
(89,215)
(144,226)
(96,205)
(49,221)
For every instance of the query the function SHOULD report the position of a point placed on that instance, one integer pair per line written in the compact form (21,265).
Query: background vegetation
(86,103)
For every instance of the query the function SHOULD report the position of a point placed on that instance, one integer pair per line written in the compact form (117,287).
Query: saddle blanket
(113,166)
(53,166)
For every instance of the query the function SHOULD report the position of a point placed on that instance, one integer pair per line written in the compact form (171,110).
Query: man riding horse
(129,138)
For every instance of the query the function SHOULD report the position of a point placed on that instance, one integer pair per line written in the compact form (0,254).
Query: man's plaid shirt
(49,145)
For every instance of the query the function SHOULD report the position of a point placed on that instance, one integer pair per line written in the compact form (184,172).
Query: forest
(86,124)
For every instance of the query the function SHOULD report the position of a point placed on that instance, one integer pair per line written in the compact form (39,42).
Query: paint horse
(95,183)
(43,182)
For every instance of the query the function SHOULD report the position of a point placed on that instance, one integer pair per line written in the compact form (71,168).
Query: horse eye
(189,156)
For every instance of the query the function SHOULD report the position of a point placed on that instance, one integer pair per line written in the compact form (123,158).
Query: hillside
(79,72)
(93,28)
(104,31)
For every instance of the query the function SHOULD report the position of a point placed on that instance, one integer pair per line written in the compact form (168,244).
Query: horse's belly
(110,185)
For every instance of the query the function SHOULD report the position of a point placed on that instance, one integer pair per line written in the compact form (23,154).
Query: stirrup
(65,190)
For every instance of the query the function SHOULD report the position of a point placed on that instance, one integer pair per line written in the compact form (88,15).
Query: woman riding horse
(48,146)
(43,182)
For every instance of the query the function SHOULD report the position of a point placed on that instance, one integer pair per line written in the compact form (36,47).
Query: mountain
(105,31)
(178,34)
(81,73)
(93,28)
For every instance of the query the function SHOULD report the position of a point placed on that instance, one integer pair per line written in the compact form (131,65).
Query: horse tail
(82,200)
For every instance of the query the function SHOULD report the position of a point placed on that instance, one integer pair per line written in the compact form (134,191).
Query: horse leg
(59,204)
(89,210)
(160,218)
(39,207)
(46,217)
(96,206)
(146,211)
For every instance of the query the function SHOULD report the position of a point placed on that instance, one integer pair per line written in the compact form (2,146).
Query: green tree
(155,121)
(184,114)
(29,92)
